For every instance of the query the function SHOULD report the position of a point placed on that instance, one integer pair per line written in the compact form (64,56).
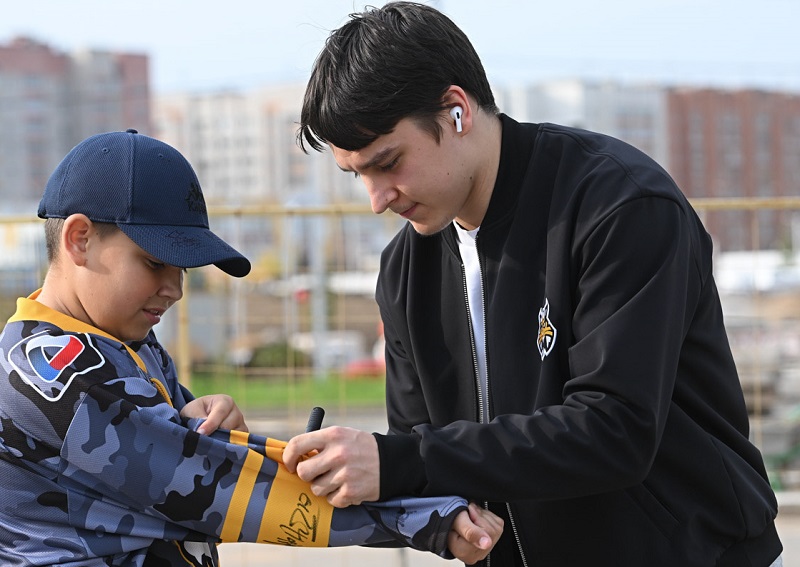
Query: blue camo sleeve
(420,523)
(137,469)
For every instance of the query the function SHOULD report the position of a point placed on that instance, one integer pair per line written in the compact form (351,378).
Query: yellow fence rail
(271,307)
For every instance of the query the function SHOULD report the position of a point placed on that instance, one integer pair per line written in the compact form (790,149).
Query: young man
(102,452)
(554,338)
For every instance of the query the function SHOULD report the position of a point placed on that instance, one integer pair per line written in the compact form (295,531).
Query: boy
(101,449)
(554,338)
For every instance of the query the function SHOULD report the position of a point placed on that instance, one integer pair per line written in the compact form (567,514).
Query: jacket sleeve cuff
(401,467)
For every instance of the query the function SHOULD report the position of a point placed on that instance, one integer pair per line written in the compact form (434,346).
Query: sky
(211,45)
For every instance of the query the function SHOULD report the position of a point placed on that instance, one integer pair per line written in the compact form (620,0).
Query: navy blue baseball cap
(149,190)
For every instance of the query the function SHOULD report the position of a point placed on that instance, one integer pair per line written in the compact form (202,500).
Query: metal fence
(306,318)
(306,314)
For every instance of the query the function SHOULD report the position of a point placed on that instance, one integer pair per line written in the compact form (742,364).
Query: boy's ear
(75,238)
(456,96)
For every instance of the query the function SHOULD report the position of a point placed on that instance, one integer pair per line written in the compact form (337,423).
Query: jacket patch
(546,338)
(49,363)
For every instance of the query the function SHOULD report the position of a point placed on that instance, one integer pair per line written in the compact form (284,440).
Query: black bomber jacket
(617,431)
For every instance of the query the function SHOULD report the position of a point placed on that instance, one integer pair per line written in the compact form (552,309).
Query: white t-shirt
(472,270)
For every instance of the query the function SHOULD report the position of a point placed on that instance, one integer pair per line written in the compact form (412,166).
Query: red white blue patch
(50,355)
(49,363)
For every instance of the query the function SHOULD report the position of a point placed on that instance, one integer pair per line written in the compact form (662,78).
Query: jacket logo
(49,363)
(546,338)
(49,356)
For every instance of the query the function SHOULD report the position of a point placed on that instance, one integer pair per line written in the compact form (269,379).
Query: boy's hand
(219,410)
(474,533)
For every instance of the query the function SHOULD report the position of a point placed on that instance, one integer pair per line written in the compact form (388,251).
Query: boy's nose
(172,284)
(380,196)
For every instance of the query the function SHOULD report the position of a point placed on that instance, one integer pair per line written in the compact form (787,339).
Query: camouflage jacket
(98,467)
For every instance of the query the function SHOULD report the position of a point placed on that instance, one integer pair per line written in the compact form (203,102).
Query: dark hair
(52,234)
(383,65)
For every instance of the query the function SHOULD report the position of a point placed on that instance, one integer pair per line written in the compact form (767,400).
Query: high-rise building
(636,113)
(50,100)
(714,142)
(243,147)
(737,143)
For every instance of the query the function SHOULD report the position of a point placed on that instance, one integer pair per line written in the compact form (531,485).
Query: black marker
(315,419)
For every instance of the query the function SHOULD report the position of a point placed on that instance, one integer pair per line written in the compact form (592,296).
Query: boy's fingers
(467,541)
(489,524)
(209,426)
(234,421)
(470,531)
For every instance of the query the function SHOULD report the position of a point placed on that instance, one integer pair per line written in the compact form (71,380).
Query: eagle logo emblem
(546,337)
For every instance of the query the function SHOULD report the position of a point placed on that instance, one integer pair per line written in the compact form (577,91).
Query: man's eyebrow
(374,160)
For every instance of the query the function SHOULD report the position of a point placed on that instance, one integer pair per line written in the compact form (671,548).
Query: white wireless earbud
(455,112)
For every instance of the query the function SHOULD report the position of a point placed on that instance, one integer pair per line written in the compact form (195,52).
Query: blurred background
(710,89)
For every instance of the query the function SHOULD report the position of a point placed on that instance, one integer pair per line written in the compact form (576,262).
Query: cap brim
(187,247)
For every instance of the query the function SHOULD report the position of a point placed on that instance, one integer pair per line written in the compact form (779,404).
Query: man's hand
(345,467)
(474,533)
(219,410)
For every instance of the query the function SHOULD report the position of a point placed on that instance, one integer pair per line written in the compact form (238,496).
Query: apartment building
(636,113)
(50,100)
(715,142)
(737,143)
(243,146)
(723,143)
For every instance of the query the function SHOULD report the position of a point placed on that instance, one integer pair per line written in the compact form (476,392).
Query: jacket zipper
(475,368)
(483,405)
(483,411)
(516,535)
